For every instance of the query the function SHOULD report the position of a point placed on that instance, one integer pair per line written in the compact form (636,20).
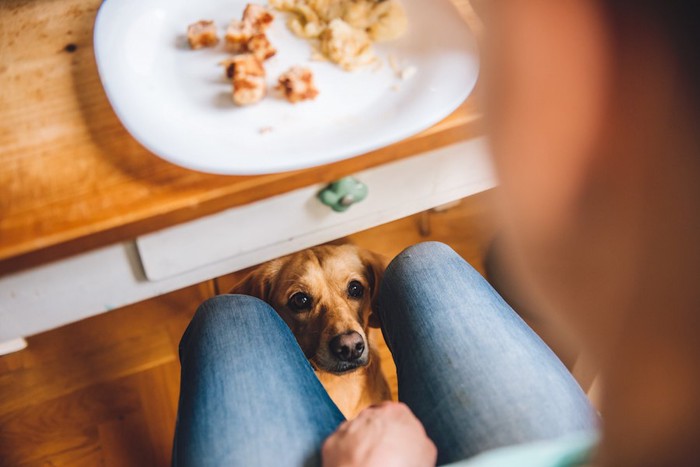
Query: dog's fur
(324,273)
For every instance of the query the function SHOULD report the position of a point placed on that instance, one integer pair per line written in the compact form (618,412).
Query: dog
(325,295)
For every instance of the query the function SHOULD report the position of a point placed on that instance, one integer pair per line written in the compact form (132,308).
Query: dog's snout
(348,347)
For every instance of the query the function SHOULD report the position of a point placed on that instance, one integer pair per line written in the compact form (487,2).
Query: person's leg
(248,395)
(470,369)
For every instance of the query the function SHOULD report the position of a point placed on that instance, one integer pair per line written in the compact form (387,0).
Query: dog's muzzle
(348,352)
(347,347)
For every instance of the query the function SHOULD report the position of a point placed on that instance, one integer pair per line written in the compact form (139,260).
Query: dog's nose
(347,347)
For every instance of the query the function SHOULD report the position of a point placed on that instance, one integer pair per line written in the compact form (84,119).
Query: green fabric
(569,451)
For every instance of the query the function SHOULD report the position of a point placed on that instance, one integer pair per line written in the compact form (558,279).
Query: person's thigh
(470,369)
(248,395)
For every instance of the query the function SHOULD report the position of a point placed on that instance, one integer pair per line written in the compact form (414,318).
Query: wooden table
(73,180)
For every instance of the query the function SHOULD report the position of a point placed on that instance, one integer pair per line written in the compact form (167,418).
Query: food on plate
(370,21)
(260,46)
(402,72)
(248,76)
(383,20)
(238,33)
(297,84)
(202,34)
(349,47)
(259,17)
(246,37)
(248,34)
(247,40)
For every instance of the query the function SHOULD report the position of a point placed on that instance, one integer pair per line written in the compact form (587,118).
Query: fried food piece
(248,34)
(202,34)
(243,65)
(349,47)
(260,46)
(259,17)
(248,90)
(248,77)
(238,33)
(297,84)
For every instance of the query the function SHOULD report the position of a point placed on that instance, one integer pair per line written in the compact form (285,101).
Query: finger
(348,426)
(328,447)
(381,404)
(343,426)
(374,409)
(401,409)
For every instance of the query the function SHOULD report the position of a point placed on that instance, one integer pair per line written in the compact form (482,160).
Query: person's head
(594,113)
(593,107)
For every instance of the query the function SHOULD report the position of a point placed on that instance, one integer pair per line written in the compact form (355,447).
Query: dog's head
(325,296)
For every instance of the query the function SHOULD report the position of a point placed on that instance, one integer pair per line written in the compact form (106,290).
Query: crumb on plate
(408,72)
(404,73)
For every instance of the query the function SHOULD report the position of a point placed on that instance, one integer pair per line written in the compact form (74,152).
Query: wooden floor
(103,391)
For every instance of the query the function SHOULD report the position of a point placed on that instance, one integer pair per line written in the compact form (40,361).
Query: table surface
(73,179)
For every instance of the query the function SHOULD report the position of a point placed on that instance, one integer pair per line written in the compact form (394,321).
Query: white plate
(177,103)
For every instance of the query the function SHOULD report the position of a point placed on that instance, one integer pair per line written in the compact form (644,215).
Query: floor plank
(64,425)
(125,442)
(87,456)
(159,390)
(45,382)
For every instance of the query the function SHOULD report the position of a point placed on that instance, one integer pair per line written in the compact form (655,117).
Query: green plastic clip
(343,193)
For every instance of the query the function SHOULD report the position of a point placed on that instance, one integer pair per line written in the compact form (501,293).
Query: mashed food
(345,28)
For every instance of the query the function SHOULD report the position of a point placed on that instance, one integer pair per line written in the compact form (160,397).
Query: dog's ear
(375,265)
(259,282)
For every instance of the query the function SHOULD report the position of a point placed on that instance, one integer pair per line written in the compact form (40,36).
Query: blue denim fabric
(248,395)
(470,369)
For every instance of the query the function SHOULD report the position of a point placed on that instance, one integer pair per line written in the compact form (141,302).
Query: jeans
(471,370)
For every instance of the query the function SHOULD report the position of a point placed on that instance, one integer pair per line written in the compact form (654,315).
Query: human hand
(384,435)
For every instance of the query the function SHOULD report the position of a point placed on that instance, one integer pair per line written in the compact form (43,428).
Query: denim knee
(423,257)
(427,272)
(226,315)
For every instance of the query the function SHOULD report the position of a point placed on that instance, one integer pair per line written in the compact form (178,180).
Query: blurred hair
(678,21)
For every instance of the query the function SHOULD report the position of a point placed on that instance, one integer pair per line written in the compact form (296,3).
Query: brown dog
(325,296)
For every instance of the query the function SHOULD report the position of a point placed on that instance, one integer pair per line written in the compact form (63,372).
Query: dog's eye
(355,289)
(300,302)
